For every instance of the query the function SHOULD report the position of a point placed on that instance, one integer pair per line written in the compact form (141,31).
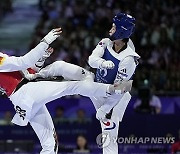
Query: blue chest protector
(107,75)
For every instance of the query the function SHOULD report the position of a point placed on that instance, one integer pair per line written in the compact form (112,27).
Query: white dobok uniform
(125,64)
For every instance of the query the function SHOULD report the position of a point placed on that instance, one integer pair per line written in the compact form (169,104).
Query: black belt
(25,81)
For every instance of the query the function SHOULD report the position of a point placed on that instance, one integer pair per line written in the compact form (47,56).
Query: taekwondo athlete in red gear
(12,72)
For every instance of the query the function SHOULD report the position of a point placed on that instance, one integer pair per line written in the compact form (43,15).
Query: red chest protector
(10,80)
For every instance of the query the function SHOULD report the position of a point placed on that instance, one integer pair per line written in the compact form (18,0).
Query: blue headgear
(125,26)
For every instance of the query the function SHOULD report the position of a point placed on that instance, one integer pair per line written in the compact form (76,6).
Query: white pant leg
(111,127)
(117,115)
(98,101)
(46,91)
(119,109)
(43,126)
(67,70)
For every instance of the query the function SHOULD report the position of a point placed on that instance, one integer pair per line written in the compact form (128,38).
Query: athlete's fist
(107,64)
(28,76)
(52,35)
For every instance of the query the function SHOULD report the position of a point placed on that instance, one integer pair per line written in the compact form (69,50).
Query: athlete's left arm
(126,69)
(29,73)
(40,63)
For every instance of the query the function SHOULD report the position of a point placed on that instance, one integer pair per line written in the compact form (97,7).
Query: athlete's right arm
(95,59)
(40,63)
(9,64)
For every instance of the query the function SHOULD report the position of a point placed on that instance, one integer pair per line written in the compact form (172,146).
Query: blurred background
(154,109)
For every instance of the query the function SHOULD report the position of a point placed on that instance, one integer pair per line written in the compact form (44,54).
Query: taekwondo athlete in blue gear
(115,60)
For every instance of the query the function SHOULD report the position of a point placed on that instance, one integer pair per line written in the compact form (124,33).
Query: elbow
(91,62)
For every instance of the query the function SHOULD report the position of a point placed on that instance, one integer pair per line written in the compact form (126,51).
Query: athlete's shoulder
(128,59)
(105,42)
(131,44)
(3,58)
(131,49)
(3,55)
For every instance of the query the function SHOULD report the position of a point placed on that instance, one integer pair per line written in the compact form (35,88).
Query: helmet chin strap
(112,38)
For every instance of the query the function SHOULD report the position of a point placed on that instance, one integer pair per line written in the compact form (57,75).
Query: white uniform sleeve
(9,64)
(95,59)
(40,63)
(126,69)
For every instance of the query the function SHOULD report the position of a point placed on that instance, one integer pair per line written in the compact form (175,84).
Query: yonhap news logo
(104,139)
(146,140)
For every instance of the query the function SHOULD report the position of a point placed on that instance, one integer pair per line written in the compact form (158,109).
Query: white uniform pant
(30,98)
(44,128)
(111,126)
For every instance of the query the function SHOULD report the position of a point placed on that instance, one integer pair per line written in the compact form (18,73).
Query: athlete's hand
(123,86)
(100,114)
(107,64)
(27,75)
(30,76)
(52,35)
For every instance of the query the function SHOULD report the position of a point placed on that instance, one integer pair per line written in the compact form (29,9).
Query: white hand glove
(107,64)
(30,76)
(100,114)
(52,35)
(123,86)
(27,75)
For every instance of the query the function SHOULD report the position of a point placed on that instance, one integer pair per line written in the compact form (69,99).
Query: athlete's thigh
(41,116)
(98,101)
(45,90)
(121,106)
(37,93)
